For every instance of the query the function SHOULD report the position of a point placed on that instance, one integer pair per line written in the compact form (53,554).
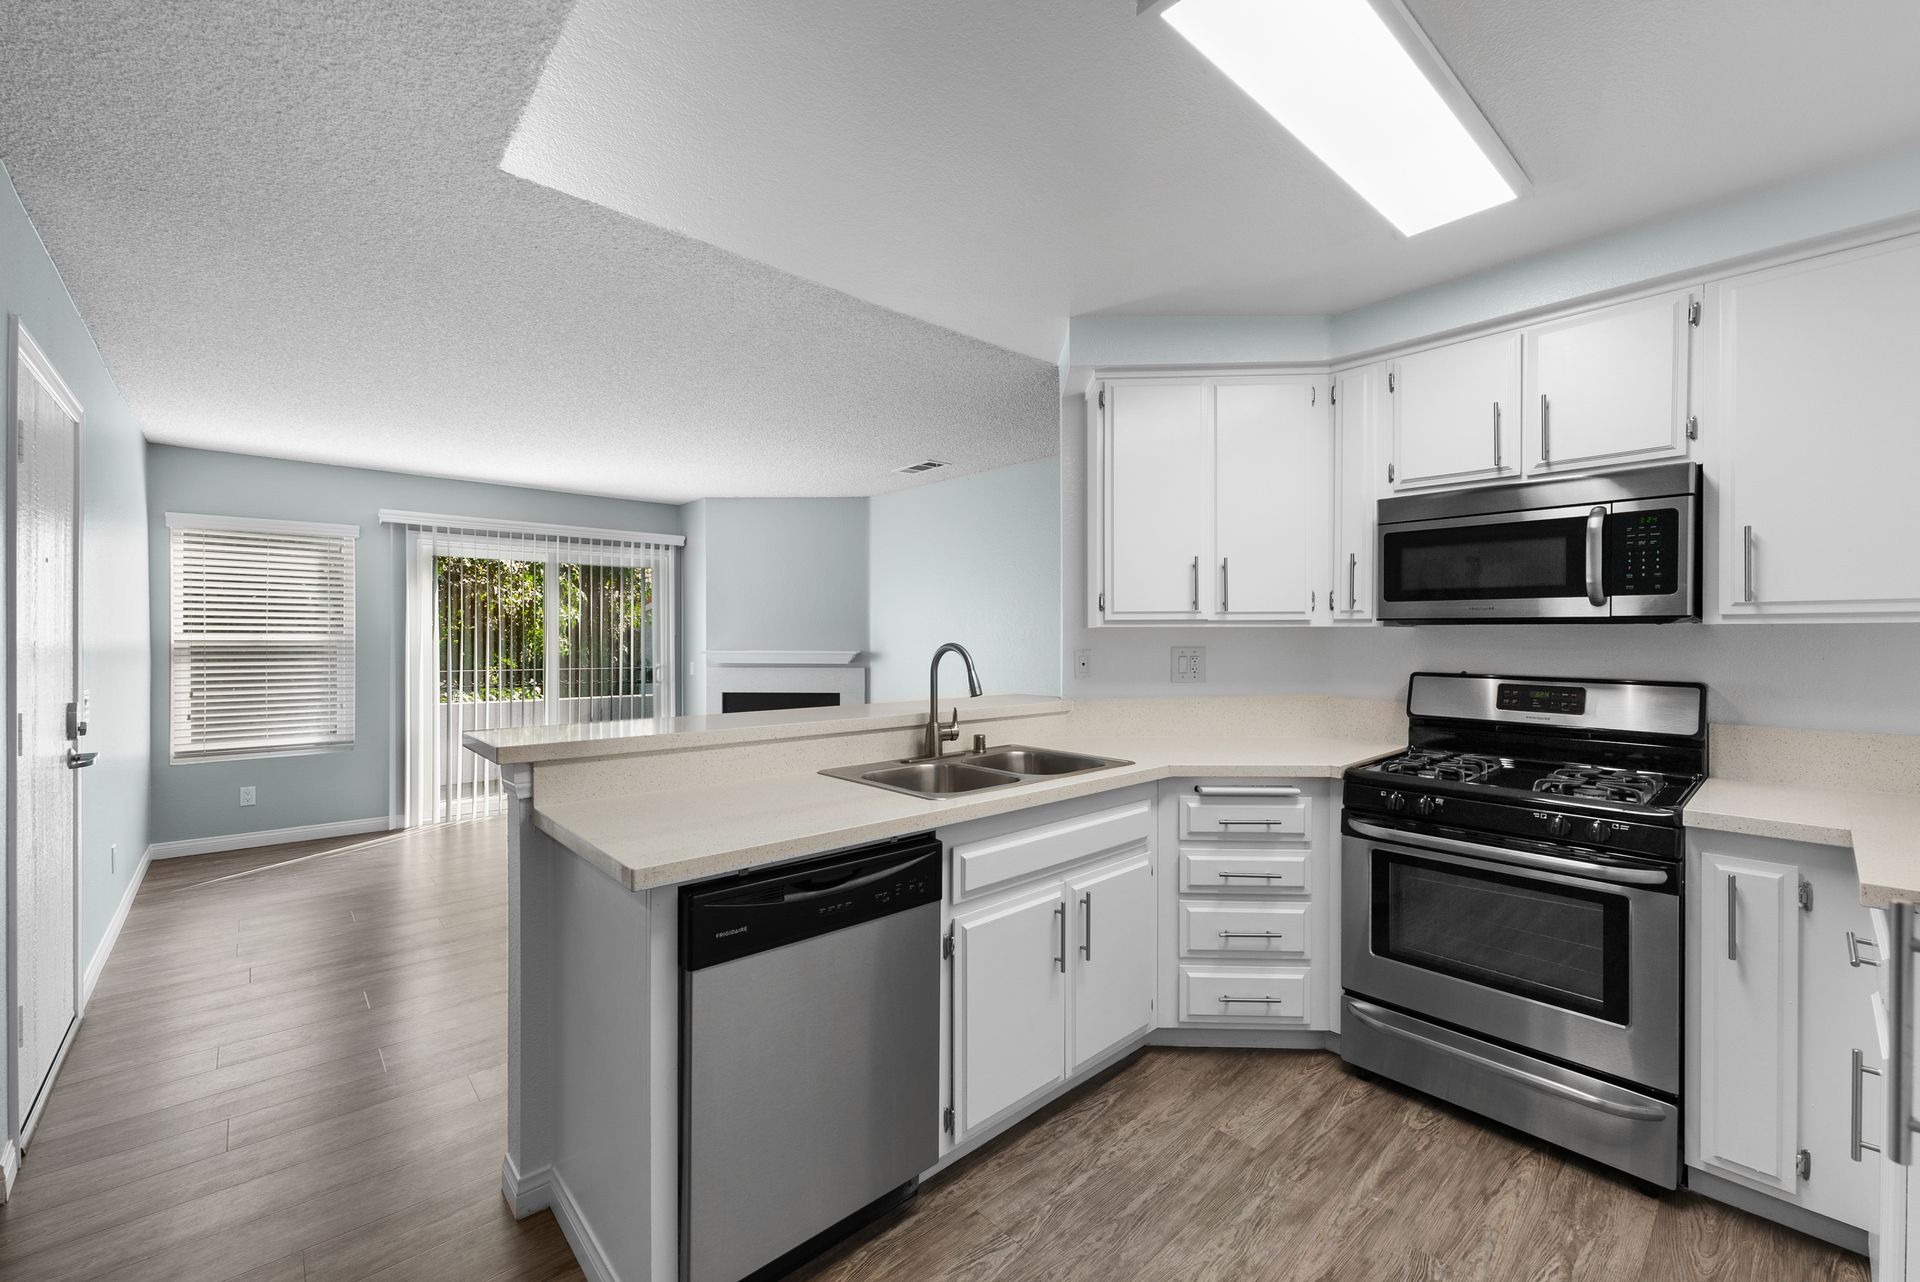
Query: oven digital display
(1566,701)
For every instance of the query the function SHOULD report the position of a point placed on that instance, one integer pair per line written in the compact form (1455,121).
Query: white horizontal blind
(263,620)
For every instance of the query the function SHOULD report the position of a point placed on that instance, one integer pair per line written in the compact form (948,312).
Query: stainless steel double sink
(965,772)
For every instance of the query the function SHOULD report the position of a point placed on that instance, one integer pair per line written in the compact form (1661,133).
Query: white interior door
(45,785)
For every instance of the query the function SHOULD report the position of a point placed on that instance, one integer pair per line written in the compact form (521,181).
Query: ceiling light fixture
(1360,86)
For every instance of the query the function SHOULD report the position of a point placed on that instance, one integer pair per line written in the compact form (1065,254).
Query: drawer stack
(1245,917)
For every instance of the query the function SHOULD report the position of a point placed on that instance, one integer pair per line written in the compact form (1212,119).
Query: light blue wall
(974,560)
(113,635)
(202,799)
(1867,195)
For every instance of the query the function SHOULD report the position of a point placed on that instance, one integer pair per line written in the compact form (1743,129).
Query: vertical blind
(513,628)
(262,633)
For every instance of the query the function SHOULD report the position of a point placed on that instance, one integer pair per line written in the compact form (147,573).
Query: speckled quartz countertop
(1882,827)
(647,839)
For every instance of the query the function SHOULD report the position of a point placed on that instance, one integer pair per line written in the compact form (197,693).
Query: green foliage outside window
(492,630)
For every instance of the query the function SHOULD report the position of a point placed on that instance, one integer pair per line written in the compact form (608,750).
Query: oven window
(1558,944)
(1499,561)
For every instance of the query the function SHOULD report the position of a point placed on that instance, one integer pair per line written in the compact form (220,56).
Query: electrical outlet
(1082,664)
(246,795)
(1189,663)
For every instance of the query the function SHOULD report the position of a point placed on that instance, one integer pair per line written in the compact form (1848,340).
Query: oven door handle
(1523,858)
(1596,553)
(1638,1112)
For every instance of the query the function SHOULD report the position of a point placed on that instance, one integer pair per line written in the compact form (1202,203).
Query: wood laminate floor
(293,1068)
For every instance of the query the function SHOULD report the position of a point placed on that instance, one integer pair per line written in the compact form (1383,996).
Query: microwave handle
(1596,552)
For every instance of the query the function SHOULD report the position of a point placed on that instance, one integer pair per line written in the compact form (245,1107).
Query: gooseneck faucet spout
(938,731)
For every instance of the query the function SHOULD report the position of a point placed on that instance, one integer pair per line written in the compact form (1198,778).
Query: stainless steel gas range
(1511,907)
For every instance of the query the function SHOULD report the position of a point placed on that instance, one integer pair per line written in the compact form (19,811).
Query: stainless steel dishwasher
(809,1054)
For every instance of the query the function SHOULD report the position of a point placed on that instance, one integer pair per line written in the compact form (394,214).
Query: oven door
(1545,564)
(1574,959)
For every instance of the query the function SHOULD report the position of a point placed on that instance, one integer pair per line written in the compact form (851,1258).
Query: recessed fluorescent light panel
(1334,73)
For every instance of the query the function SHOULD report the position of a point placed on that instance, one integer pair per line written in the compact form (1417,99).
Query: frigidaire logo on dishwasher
(737,930)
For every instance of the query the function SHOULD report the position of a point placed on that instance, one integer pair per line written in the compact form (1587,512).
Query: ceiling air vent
(924,465)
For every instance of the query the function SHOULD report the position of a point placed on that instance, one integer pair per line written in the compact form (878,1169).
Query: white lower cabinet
(1052,949)
(1778,1015)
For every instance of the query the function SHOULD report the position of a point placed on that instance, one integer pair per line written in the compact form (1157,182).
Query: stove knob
(1599,830)
(1559,826)
(1423,805)
(1396,802)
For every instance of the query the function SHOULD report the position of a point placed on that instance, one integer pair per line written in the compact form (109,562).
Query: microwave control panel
(1643,553)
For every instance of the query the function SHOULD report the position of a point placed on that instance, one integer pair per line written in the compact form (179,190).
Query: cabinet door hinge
(1333,393)
(1693,427)
(1803,1165)
(1103,398)
(946,944)
(946,1119)
(1806,895)
(1389,473)
(1693,312)
(1389,382)
(1103,603)
(1313,394)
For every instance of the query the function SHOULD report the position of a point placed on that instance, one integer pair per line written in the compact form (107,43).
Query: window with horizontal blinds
(262,636)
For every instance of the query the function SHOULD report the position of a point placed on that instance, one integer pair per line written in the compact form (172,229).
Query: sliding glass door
(524,630)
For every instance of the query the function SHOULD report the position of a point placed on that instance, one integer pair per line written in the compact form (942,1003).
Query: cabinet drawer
(1260,818)
(1244,996)
(1244,874)
(1260,929)
(1025,852)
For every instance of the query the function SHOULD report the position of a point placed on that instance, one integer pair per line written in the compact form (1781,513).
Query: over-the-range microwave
(1623,548)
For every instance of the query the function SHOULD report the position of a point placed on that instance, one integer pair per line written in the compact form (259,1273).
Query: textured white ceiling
(286,224)
(997,165)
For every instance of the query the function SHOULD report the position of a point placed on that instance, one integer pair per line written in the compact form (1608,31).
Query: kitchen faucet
(938,731)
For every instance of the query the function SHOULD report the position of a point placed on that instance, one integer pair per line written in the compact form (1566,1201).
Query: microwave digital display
(1643,553)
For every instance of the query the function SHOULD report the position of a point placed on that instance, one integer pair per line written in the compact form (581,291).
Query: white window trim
(259,525)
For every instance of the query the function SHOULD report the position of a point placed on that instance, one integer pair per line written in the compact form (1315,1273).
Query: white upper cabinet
(1810,407)
(1456,413)
(1213,499)
(1271,496)
(1360,428)
(1159,498)
(1608,388)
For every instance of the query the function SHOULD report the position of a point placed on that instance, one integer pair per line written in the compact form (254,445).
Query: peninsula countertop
(1882,827)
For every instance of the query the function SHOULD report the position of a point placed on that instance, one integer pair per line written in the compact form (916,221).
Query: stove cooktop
(1542,781)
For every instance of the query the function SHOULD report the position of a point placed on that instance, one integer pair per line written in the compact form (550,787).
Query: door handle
(1543,427)
(1733,919)
(1060,918)
(79,760)
(1857,1145)
(1596,554)
(1086,926)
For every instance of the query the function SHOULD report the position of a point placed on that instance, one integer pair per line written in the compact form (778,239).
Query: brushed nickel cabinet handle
(1223,585)
(1746,551)
(1856,1144)
(1898,1074)
(1854,958)
(1086,926)
(1497,465)
(1060,917)
(1196,585)
(1353,578)
(1252,934)
(1245,790)
(1733,919)
(1543,427)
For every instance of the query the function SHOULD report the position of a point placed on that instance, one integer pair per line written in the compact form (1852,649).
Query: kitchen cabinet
(1808,403)
(1158,517)
(1213,499)
(1456,413)
(1112,966)
(1009,1004)
(1608,387)
(1360,428)
(1779,1015)
(1271,497)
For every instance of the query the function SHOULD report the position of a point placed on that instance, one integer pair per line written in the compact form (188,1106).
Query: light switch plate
(1189,663)
(246,795)
(1082,664)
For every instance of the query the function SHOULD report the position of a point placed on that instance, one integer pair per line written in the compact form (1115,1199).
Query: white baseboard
(274,837)
(587,1251)
(525,1194)
(107,941)
(9,1167)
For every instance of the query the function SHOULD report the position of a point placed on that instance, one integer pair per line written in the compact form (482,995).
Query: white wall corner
(98,962)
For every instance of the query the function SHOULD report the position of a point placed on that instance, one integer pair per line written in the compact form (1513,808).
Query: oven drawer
(1228,928)
(1282,816)
(1272,996)
(1251,873)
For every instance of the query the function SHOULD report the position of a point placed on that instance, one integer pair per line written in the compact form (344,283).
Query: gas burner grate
(1432,763)
(1601,784)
